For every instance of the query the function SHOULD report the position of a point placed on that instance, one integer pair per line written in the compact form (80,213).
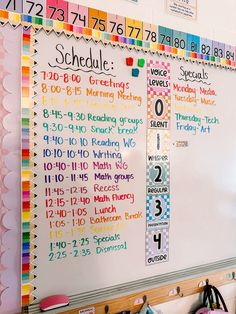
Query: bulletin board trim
(16,19)
(29,271)
(27,176)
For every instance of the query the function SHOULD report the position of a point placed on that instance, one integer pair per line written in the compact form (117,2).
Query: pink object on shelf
(54,302)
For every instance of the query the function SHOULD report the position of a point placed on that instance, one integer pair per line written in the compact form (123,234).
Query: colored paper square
(157,246)
(150,33)
(206,47)
(12,6)
(158,210)
(193,43)
(158,145)
(134,29)
(129,61)
(141,62)
(35,8)
(179,40)
(135,72)
(165,36)
(116,24)
(57,10)
(98,20)
(218,49)
(158,174)
(229,52)
(77,15)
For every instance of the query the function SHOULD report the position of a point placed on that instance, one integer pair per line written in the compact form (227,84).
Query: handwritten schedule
(89,124)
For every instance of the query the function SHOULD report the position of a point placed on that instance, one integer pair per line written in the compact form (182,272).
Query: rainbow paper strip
(36,22)
(25,167)
(176,39)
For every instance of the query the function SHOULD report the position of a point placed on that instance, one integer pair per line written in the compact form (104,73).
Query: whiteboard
(201,175)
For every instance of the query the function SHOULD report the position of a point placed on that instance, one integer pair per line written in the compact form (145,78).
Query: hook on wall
(203,283)
(231,276)
(176,292)
(179,293)
(144,299)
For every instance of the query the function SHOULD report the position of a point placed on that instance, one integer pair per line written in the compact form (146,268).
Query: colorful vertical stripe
(25,167)
(128,32)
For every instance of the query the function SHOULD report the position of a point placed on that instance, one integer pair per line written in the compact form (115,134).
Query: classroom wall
(216,20)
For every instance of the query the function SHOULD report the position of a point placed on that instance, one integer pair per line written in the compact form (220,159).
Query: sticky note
(135,72)
(129,61)
(141,63)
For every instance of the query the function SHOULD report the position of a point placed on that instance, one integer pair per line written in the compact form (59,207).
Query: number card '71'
(11,5)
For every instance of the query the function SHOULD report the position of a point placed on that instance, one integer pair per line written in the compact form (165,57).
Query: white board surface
(202,174)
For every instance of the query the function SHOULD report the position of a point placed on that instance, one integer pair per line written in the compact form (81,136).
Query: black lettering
(62,55)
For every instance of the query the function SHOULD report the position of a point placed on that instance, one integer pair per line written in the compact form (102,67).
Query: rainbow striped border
(49,25)
(16,19)
(26,175)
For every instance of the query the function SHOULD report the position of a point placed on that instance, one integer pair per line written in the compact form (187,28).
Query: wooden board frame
(155,295)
